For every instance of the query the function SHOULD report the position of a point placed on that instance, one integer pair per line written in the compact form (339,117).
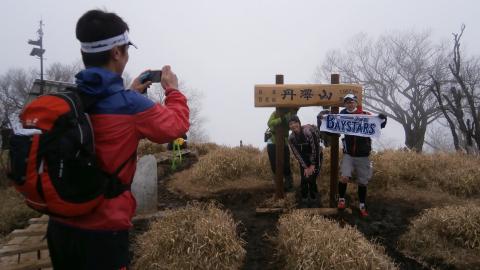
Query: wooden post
(279,148)
(334,79)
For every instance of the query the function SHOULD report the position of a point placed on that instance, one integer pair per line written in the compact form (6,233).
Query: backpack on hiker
(267,135)
(55,168)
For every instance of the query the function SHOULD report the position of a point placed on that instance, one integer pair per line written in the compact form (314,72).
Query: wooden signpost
(284,96)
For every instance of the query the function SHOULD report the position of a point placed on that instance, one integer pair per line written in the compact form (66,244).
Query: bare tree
(127,79)
(63,72)
(459,98)
(16,83)
(196,133)
(395,72)
(14,87)
(438,139)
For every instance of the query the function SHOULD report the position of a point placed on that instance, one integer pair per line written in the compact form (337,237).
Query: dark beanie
(294,118)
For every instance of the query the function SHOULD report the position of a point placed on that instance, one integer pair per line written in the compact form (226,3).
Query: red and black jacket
(356,146)
(120,120)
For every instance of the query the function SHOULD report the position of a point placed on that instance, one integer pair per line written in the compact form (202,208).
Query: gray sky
(223,48)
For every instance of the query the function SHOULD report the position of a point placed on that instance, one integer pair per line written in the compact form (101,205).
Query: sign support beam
(334,79)
(280,133)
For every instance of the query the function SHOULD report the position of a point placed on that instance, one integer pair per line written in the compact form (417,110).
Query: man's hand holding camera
(137,84)
(168,80)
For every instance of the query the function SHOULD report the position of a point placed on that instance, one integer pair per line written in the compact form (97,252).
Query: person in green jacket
(274,121)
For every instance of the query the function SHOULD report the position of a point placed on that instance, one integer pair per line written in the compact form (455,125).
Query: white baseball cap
(349,97)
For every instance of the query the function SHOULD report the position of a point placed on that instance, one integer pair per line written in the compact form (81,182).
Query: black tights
(362,191)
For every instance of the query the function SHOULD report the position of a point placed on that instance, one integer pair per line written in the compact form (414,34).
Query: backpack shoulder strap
(87,101)
(115,187)
(117,171)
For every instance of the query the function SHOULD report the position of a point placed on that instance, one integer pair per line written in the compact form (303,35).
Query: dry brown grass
(313,242)
(4,181)
(450,234)
(146,147)
(228,164)
(456,174)
(228,168)
(224,169)
(199,236)
(289,202)
(203,148)
(181,184)
(14,213)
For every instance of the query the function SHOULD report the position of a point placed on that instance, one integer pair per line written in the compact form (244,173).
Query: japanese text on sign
(295,95)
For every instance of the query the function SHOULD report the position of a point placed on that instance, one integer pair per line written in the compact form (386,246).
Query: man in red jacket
(120,119)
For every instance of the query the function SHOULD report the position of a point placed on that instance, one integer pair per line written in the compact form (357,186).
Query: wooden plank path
(27,248)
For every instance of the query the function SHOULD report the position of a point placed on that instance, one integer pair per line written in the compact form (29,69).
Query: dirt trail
(256,230)
(388,220)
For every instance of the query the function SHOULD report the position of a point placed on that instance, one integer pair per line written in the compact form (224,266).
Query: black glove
(320,117)
(384,118)
(322,113)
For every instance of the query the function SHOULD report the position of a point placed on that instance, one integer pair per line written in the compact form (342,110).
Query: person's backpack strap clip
(267,135)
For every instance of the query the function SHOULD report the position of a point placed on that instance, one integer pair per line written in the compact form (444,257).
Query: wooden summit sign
(300,95)
(283,96)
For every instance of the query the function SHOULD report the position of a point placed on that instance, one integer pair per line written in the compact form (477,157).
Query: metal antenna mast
(39,51)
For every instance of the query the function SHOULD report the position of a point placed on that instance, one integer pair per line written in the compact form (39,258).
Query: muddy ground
(389,219)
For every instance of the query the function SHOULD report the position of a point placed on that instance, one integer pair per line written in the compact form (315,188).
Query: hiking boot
(314,196)
(304,202)
(341,204)
(314,200)
(363,212)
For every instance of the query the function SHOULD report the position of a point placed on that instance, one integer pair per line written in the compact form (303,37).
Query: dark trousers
(71,248)
(286,160)
(308,185)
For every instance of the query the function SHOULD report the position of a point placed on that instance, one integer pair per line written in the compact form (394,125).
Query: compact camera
(151,75)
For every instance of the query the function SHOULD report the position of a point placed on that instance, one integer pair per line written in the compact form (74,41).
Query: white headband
(106,44)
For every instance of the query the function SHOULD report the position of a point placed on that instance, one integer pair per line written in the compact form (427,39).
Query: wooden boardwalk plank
(30,265)
(16,240)
(13,250)
(27,232)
